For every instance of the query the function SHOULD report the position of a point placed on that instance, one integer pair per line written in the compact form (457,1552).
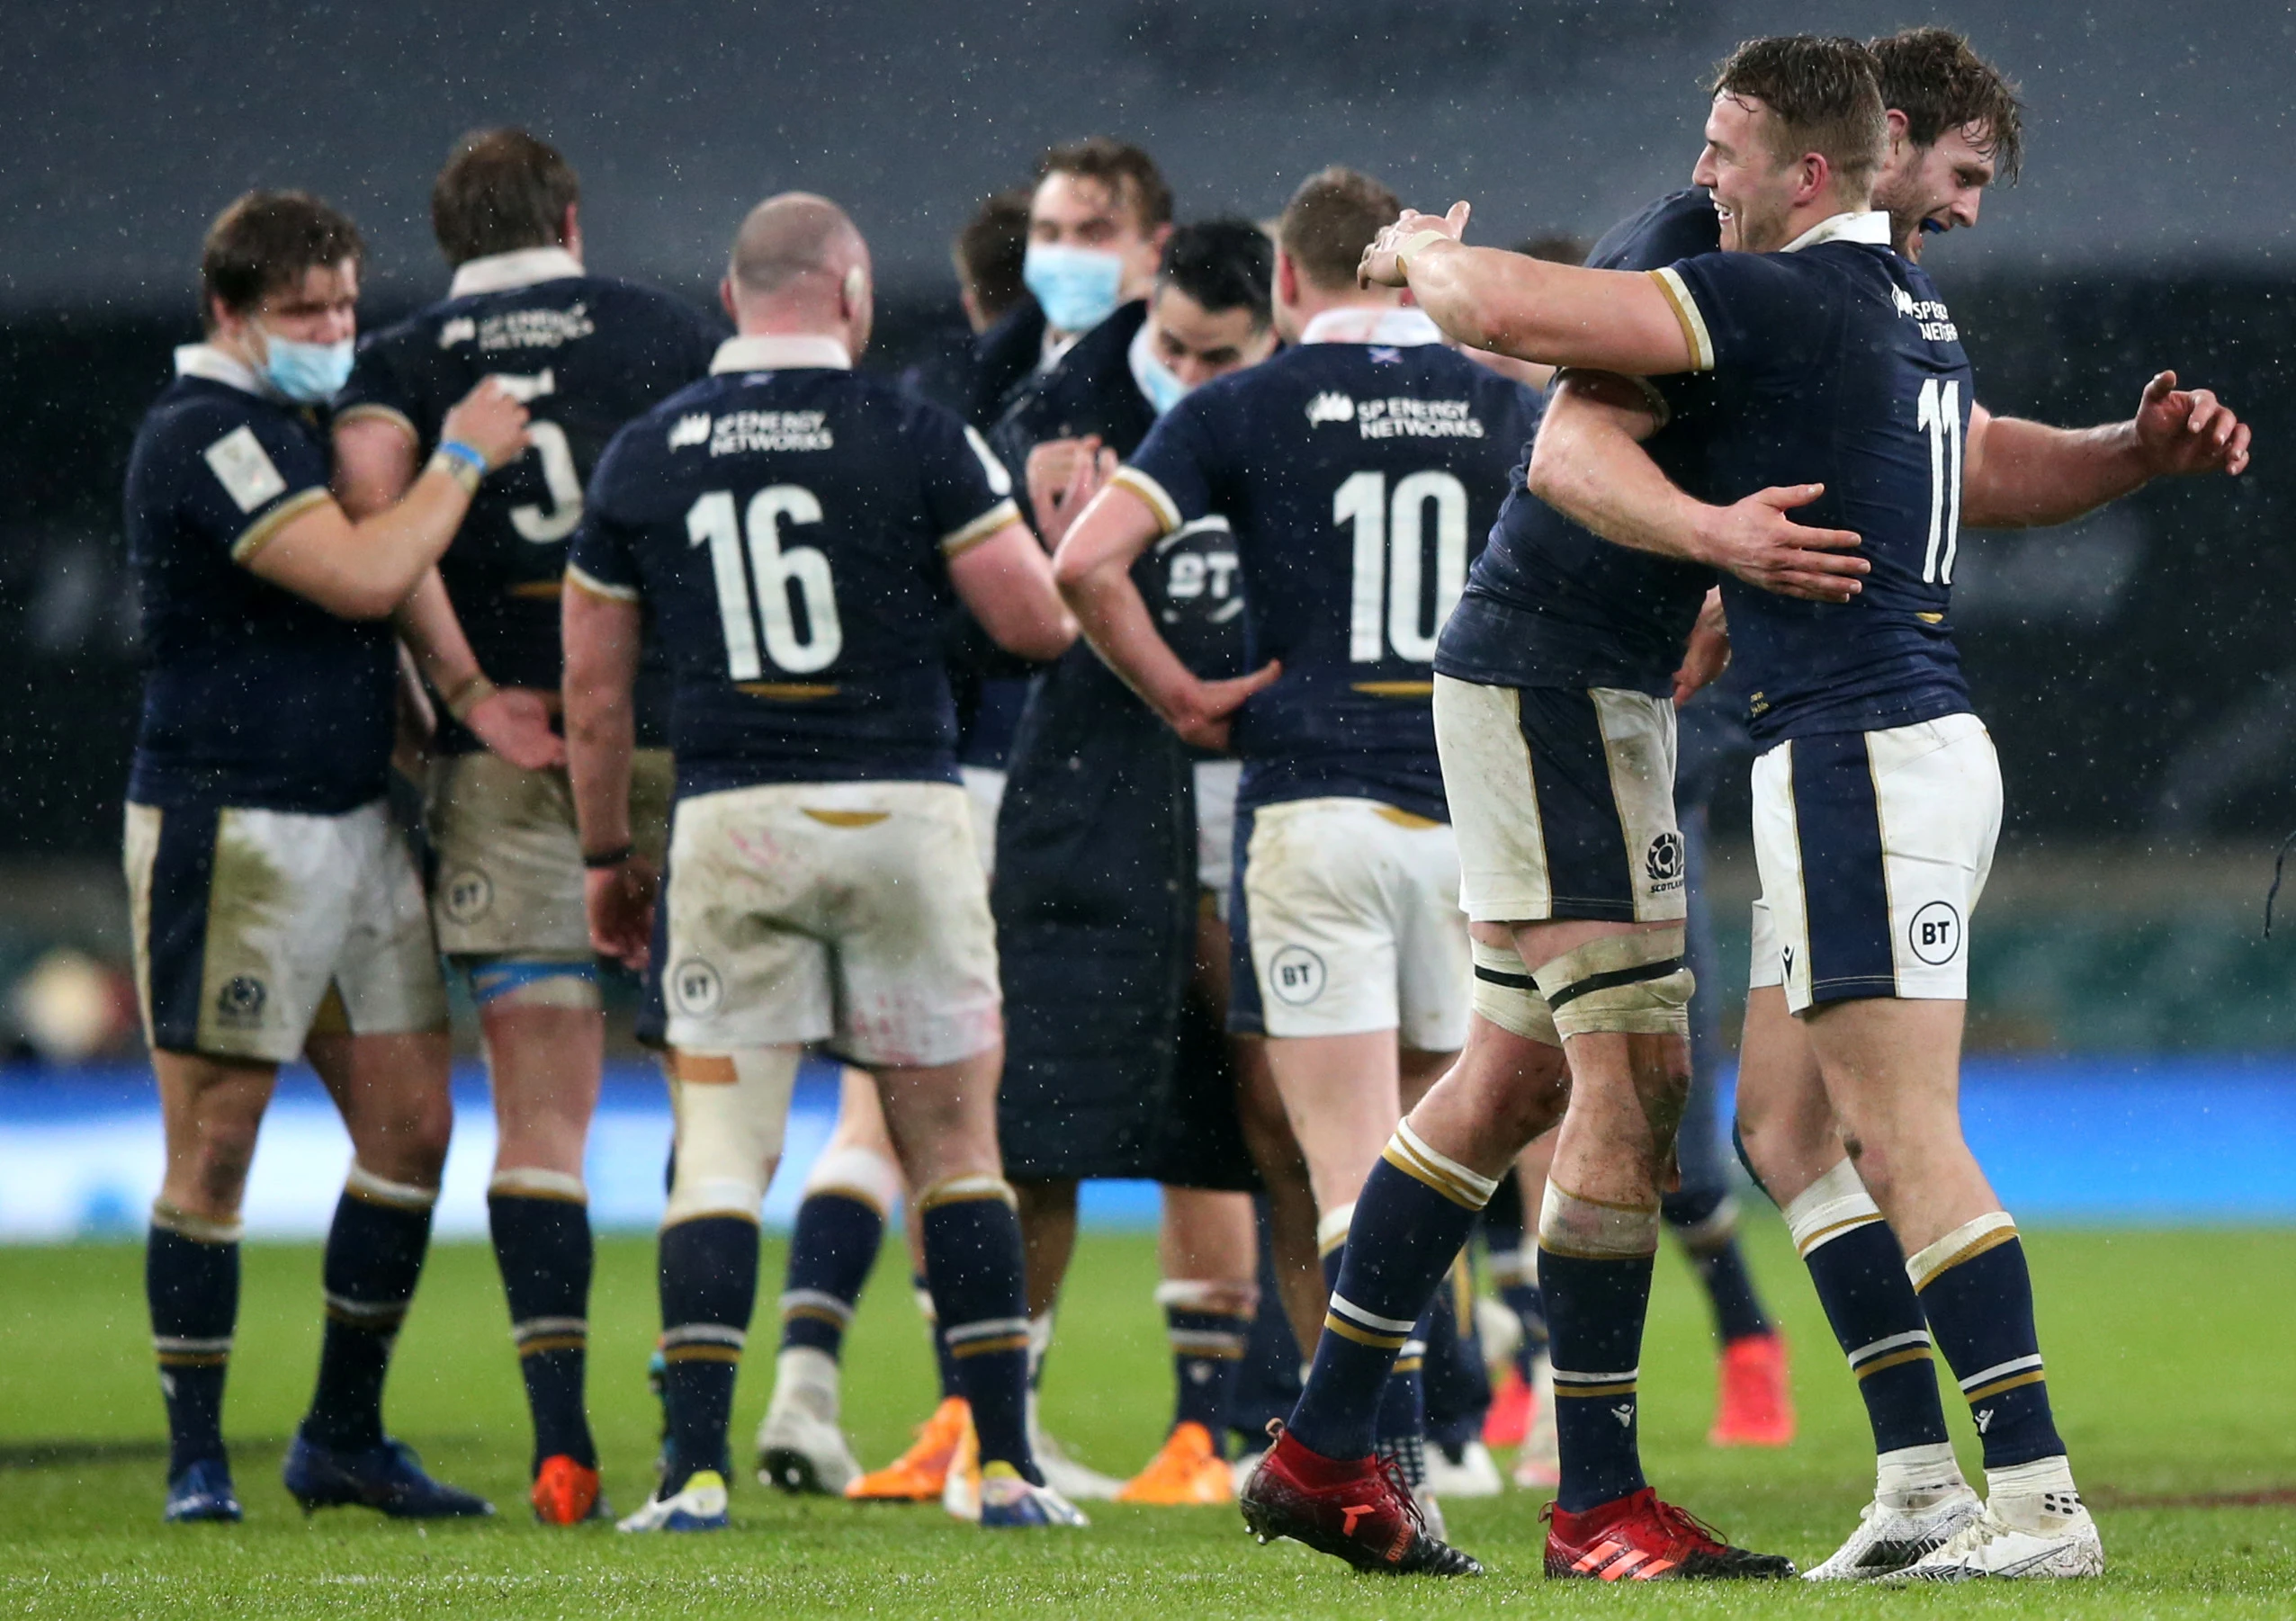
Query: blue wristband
(467,455)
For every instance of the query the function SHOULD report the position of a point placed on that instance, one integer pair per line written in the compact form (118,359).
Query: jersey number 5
(1391,561)
(560,477)
(1938,413)
(779,570)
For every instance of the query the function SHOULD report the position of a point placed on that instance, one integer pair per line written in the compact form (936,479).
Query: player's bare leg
(1291,1194)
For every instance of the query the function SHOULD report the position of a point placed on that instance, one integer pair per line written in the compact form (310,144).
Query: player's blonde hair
(1824,95)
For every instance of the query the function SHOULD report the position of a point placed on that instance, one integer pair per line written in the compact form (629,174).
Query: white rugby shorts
(1216,782)
(1873,848)
(508,876)
(1564,800)
(1354,912)
(853,914)
(985,792)
(247,920)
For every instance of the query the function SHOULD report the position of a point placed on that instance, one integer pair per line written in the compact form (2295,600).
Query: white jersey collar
(207,361)
(1871,226)
(499,273)
(1404,326)
(781,352)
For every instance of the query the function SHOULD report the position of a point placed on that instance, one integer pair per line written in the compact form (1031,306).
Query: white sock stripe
(365,1311)
(536,1328)
(1370,1319)
(1592,1230)
(705,1333)
(1332,1229)
(956,1188)
(1881,1347)
(2001,1370)
(1834,1204)
(1412,1348)
(381,1190)
(1565,1377)
(1228,1298)
(200,1229)
(1969,1238)
(1480,1186)
(1204,1339)
(534,1179)
(924,1299)
(987,1328)
(815,1300)
(183,1345)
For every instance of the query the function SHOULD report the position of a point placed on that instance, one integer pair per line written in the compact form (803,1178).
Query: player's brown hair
(1329,222)
(266,240)
(989,251)
(1130,175)
(1824,95)
(1932,76)
(501,189)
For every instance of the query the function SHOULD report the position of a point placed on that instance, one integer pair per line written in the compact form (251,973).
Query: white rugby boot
(1891,1535)
(1473,1473)
(800,1447)
(2045,1538)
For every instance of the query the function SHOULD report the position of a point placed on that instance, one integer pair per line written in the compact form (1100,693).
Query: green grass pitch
(2169,1357)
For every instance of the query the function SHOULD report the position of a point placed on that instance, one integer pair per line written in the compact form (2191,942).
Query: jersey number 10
(778,570)
(1938,413)
(1391,561)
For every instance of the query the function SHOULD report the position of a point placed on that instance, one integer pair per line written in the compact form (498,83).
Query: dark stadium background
(2139,670)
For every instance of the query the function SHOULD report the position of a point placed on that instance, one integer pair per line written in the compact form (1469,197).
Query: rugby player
(799,531)
(1358,473)
(586,353)
(275,907)
(1954,124)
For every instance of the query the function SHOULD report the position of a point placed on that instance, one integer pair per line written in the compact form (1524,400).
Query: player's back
(586,353)
(789,525)
(253,696)
(1551,603)
(1360,479)
(1836,362)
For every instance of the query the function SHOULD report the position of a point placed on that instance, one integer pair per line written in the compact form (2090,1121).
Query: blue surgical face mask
(1157,381)
(1077,287)
(306,373)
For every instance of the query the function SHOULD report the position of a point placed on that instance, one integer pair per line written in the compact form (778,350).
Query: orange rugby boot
(1187,1469)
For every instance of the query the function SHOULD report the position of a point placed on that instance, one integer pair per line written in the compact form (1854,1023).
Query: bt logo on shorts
(1664,862)
(240,1001)
(468,895)
(1296,975)
(1935,933)
(694,986)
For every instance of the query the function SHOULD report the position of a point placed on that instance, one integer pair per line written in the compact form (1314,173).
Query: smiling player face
(1933,189)
(1754,192)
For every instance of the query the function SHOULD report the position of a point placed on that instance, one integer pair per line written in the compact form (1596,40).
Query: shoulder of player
(1677,226)
(193,413)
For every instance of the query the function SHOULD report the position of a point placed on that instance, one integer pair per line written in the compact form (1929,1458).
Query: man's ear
(725,298)
(1899,124)
(569,228)
(1287,278)
(854,293)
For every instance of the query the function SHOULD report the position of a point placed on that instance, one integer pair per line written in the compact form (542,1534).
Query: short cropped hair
(1222,264)
(1130,175)
(989,251)
(1932,76)
(1329,222)
(501,189)
(267,240)
(1824,93)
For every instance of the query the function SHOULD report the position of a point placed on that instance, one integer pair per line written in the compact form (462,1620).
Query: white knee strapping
(1238,1297)
(732,1108)
(363,1184)
(1634,984)
(860,1173)
(199,1229)
(957,1189)
(1332,1230)
(1505,994)
(1719,1226)
(1592,1230)
(533,1182)
(1969,1239)
(1835,1203)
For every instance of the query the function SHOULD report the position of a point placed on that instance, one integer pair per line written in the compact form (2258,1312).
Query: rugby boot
(566,1493)
(1538,1465)
(2031,1540)
(800,1447)
(1639,1539)
(1357,1510)
(1010,1503)
(388,1477)
(1508,1420)
(1187,1469)
(1753,1402)
(1463,1470)
(961,1486)
(699,1505)
(1890,1536)
(918,1475)
(202,1494)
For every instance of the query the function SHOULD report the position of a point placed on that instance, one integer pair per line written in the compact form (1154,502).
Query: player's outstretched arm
(1557,315)
(1007,582)
(602,636)
(2018,474)
(363,568)
(1588,464)
(1094,569)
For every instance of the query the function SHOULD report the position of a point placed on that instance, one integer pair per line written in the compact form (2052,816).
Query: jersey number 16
(1391,561)
(779,570)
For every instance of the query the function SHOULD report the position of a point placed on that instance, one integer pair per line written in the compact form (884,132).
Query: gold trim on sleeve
(1686,308)
(958,542)
(595,587)
(260,533)
(1160,502)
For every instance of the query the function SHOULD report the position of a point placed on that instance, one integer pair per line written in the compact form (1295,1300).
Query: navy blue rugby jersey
(1550,604)
(1835,362)
(585,354)
(788,523)
(253,696)
(1359,479)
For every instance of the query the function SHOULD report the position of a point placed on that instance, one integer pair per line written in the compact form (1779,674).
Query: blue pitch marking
(2128,1140)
